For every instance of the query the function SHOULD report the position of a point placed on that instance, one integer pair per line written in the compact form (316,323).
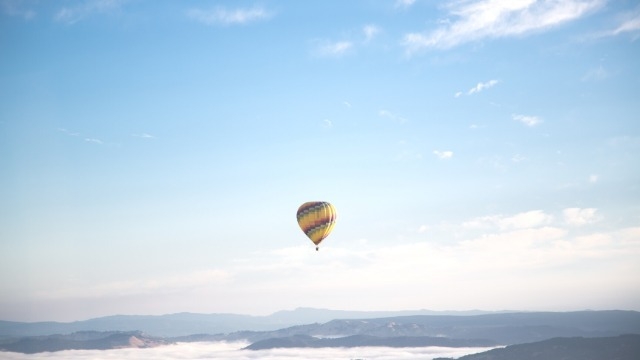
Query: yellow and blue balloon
(317,219)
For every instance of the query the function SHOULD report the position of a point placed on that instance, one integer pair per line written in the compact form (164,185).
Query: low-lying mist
(233,351)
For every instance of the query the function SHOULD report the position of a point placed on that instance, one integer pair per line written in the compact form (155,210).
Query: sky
(481,154)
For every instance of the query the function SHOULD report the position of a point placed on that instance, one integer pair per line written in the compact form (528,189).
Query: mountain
(184,324)
(304,315)
(504,329)
(299,341)
(623,347)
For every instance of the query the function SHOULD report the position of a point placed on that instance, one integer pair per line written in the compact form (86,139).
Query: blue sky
(480,154)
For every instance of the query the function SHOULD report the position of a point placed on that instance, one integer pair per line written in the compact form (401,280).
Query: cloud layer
(511,259)
(232,351)
(527,120)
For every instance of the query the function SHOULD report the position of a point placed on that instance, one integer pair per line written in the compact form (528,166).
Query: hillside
(306,341)
(624,347)
(504,329)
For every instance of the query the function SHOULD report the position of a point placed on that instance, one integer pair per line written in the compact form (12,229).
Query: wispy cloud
(224,16)
(486,19)
(407,152)
(579,217)
(479,87)
(333,48)
(389,115)
(518,158)
(595,74)
(347,43)
(370,32)
(94,140)
(629,24)
(443,155)
(85,138)
(403,4)
(136,286)
(144,136)
(528,120)
(529,219)
(327,123)
(73,14)
(70,133)
(17,8)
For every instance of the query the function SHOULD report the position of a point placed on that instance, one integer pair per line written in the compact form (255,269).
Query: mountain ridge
(496,329)
(187,323)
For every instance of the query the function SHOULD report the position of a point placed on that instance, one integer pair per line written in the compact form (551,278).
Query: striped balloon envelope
(317,219)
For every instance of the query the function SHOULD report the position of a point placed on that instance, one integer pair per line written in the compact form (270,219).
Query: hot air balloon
(316,219)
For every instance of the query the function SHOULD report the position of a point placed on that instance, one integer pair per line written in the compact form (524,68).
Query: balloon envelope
(317,219)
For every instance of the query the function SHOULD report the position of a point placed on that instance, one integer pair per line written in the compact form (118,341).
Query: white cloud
(478,88)
(629,24)
(73,14)
(389,115)
(144,136)
(333,48)
(347,104)
(482,86)
(327,123)
(224,16)
(578,216)
(524,259)
(370,31)
(93,140)
(17,8)
(529,219)
(443,155)
(527,119)
(404,3)
(484,19)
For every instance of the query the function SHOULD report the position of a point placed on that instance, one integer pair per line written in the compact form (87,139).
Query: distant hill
(623,347)
(184,324)
(306,341)
(504,329)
